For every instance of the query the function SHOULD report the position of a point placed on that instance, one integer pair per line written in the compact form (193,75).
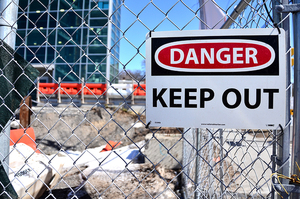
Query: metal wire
(69,160)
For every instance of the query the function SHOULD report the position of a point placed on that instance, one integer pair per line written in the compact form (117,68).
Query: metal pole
(58,92)
(296,121)
(38,99)
(274,152)
(221,163)
(211,163)
(283,152)
(8,28)
(235,13)
(202,15)
(197,173)
(8,21)
(284,140)
(82,90)
(286,135)
(132,95)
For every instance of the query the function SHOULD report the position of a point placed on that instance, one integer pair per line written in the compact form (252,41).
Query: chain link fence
(86,135)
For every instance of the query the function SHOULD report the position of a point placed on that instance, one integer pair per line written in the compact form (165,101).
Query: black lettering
(271,96)
(203,99)
(159,97)
(258,99)
(238,98)
(188,97)
(173,97)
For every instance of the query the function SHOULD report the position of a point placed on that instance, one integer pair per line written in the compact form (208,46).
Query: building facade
(71,39)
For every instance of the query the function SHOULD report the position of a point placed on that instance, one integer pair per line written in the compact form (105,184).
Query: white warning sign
(216,79)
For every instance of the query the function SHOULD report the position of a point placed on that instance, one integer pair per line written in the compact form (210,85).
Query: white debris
(29,179)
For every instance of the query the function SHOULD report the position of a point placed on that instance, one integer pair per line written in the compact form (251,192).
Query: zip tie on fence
(275,24)
(281,128)
(147,125)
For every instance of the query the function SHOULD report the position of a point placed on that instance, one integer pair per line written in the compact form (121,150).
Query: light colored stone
(165,149)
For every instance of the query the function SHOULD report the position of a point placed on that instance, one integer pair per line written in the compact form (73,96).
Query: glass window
(86,16)
(40,54)
(99,13)
(67,4)
(51,37)
(98,41)
(96,59)
(102,31)
(83,71)
(20,37)
(99,31)
(97,49)
(37,52)
(36,38)
(37,6)
(70,35)
(75,4)
(62,37)
(98,22)
(53,5)
(23,4)
(52,20)
(75,34)
(93,4)
(22,22)
(69,54)
(100,67)
(103,5)
(114,18)
(50,55)
(67,73)
(41,22)
(95,78)
(86,4)
(21,51)
(91,68)
(84,36)
(70,19)
(38,20)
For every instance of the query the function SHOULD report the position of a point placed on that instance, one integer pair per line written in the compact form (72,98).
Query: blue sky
(150,16)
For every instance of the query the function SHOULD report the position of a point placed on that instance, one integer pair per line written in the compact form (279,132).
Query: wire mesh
(90,139)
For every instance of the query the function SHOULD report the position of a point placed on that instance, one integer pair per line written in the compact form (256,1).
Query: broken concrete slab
(165,149)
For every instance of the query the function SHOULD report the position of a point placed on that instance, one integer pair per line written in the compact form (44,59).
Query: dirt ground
(73,129)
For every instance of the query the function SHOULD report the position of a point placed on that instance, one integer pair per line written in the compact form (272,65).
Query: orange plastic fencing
(48,88)
(19,136)
(70,88)
(94,89)
(139,89)
(90,89)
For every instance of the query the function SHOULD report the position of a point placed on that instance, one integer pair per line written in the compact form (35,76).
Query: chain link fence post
(283,153)
(286,136)
(296,122)
(8,28)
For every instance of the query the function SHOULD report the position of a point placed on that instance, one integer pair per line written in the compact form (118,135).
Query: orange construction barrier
(48,88)
(94,89)
(70,88)
(110,145)
(139,89)
(23,136)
